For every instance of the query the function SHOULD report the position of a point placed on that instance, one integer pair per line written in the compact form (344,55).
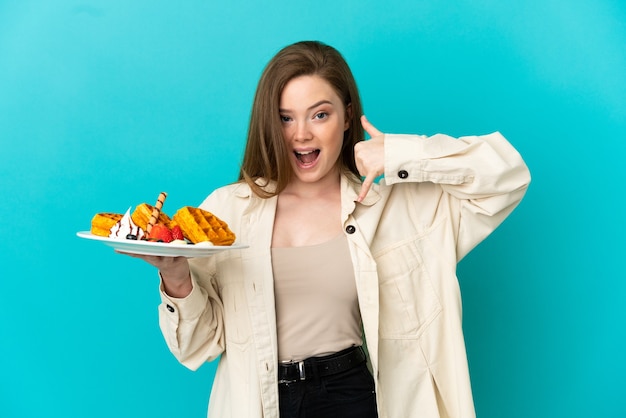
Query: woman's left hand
(369,157)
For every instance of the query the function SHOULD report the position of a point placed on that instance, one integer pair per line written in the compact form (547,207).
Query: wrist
(176,284)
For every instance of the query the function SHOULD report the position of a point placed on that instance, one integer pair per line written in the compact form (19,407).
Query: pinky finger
(365,187)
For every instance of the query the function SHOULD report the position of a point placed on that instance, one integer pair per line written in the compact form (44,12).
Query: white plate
(159,248)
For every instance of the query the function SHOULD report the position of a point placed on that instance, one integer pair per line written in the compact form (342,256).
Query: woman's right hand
(174,271)
(369,157)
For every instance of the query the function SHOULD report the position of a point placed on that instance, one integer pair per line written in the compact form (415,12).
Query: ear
(348,117)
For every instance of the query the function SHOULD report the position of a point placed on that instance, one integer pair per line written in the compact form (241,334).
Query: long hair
(266,158)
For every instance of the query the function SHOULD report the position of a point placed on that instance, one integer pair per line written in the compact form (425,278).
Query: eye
(285,119)
(321,115)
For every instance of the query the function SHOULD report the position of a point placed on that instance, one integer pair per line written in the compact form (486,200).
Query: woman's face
(313,120)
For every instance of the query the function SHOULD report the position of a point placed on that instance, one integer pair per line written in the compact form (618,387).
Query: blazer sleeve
(484,176)
(193,327)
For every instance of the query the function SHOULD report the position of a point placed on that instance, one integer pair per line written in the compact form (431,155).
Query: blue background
(104,104)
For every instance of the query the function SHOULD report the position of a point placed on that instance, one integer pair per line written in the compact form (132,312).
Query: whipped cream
(124,227)
(205,244)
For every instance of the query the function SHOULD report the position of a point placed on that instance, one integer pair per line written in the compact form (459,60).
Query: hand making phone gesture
(369,157)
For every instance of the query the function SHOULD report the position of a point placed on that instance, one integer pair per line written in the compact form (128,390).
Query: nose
(302,131)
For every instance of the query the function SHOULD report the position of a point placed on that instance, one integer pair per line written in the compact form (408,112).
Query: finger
(125,253)
(135,255)
(365,187)
(369,128)
(154,260)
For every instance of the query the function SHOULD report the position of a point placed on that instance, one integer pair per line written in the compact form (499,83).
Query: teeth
(304,152)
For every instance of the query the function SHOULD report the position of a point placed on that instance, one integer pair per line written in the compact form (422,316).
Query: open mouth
(307,157)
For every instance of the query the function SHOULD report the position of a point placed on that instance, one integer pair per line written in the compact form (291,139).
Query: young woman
(346,302)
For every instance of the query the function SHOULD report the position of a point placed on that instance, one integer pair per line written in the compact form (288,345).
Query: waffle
(102,223)
(141,216)
(199,225)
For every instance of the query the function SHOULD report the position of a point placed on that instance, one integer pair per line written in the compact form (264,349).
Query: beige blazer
(440,197)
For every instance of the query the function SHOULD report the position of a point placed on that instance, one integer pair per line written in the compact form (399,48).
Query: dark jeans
(347,394)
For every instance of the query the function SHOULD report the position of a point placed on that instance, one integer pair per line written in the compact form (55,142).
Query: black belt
(294,371)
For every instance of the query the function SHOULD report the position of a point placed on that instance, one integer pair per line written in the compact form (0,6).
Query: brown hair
(265,156)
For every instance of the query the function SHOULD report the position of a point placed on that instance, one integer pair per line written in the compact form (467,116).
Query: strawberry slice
(177,233)
(160,232)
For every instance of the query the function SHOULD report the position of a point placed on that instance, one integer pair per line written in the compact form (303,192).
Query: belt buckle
(302,374)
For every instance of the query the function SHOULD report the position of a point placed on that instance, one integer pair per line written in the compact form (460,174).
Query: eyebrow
(321,102)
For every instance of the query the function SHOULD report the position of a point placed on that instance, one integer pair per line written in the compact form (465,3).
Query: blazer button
(403,174)
(350,229)
(170,308)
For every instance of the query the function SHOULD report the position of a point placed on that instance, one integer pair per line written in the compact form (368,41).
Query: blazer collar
(350,189)
(242,188)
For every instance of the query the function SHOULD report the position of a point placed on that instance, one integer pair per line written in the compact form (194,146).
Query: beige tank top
(317,310)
